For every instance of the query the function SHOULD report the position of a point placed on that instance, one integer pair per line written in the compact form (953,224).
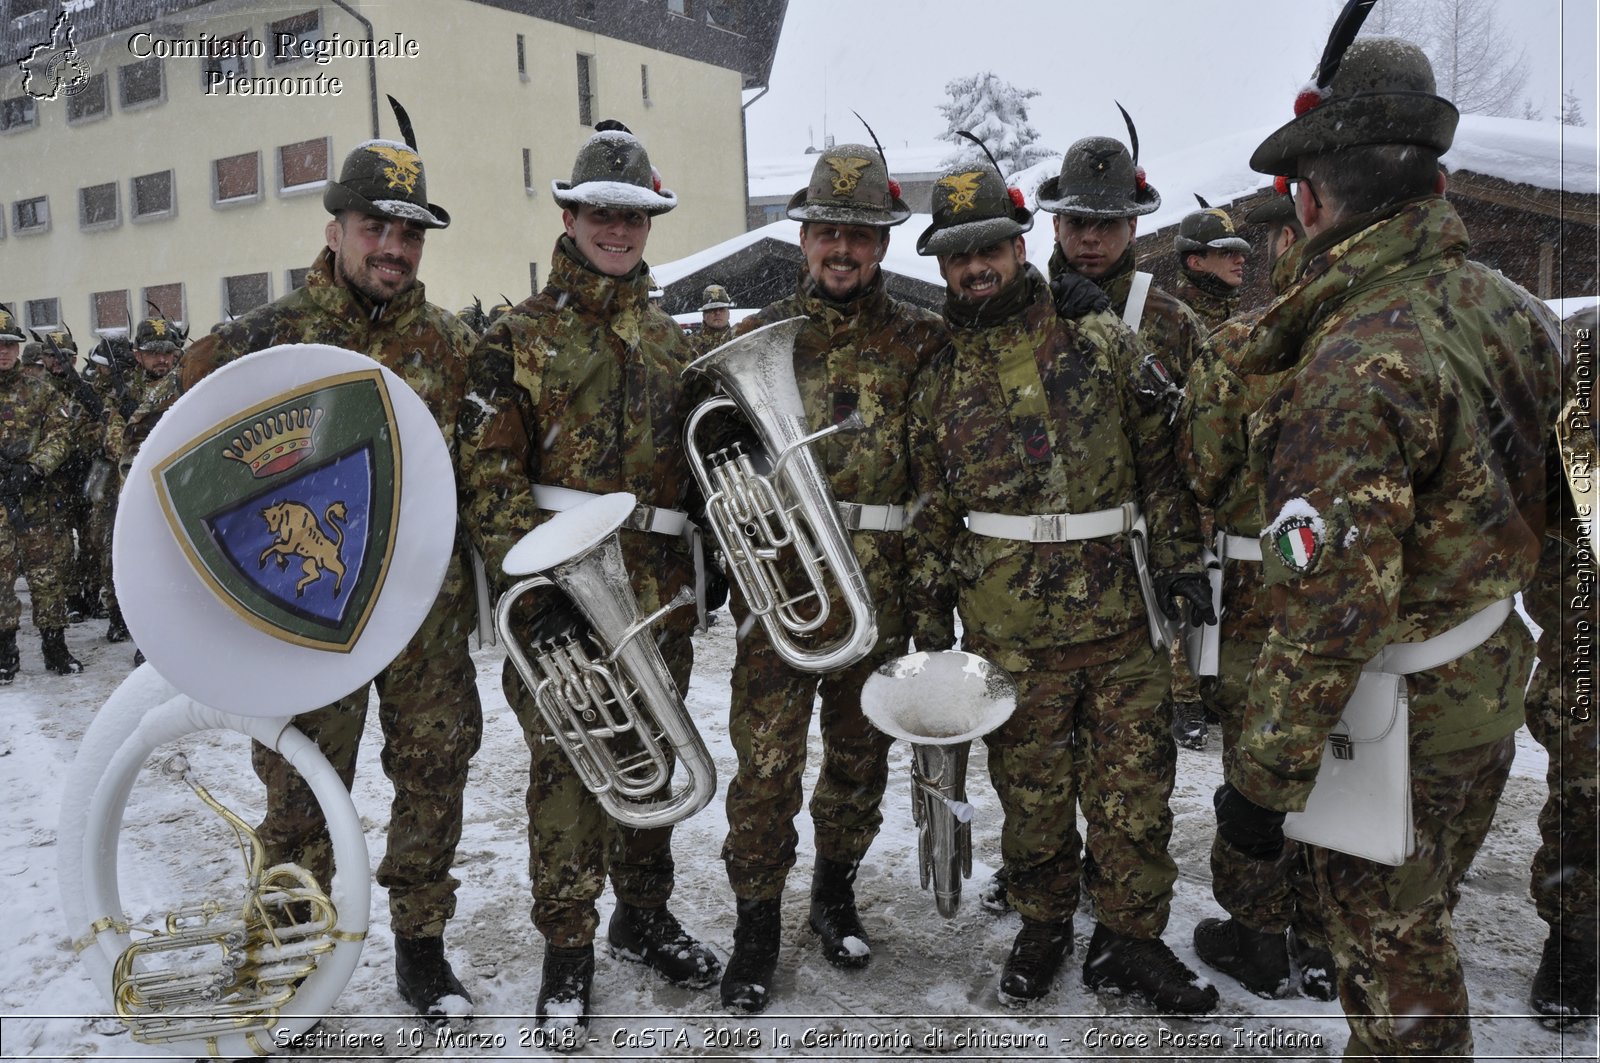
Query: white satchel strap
(645,518)
(1403,658)
(1133,312)
(858,516)
(1241,547)
(1054,527)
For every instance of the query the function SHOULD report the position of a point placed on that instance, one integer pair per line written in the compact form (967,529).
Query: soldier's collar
(593,290)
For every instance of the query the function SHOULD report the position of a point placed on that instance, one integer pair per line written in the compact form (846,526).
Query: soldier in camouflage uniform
(1035,449)
(58,355)
(362,294)
(1265,904)
(1404,472)
(576,390)
(36,424)
(714,329)
(1211,259)
(1097,199)
(1561,712)
(859,352)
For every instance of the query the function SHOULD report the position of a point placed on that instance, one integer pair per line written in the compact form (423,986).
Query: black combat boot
(1259,959)
(833,914)
(1147,968)
(563,1008)
(1189,724)
(747,983)
(996,895)
(116,627)
(1036,956)
(427,983)
(10,660)
(1564,984)
(1319,978)
(57,658)
(653,936)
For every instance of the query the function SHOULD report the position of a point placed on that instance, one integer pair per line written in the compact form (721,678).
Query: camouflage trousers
(573,844)
(1563,718)
(1262,894)
(102,520)
(1400,979)
(768,721)
(1100,738)
(40,551)
(432,723)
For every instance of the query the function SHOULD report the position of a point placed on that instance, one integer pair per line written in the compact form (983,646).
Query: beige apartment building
(174,153)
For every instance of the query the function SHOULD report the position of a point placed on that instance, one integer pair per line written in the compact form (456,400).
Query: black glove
(716,583)
(557,619)
(1186,588)
(1077,295)
(17,479)
(1255,831)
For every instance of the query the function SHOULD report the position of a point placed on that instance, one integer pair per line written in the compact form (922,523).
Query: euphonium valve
(940,702)
(615,713)
(767,523)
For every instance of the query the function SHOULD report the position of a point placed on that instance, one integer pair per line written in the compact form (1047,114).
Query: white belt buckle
(1049,527)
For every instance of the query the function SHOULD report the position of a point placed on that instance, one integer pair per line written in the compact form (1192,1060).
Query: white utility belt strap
(858,516)
(1054,527)
(1241,547)
(1403,658)
(644,518)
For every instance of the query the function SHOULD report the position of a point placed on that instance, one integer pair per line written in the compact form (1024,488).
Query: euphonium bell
(785,518)
(940,702)
(616,715)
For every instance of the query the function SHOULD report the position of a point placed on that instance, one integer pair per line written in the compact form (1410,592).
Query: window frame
(227,305)
(104,79)
(290,191)
(180,319)
(245,60)
(276,59)
(31,230)
(235,201)
(84,225)
(171,210)
(160,97)
(586,96)
(100,329)
(28,305)
(32,106)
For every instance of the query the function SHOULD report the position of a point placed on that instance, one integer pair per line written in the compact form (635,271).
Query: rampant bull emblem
(847,173)
(404,167)
(298,534)
(963,190)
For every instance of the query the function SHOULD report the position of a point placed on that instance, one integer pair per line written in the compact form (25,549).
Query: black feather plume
(874,137)
(1198,198)
(985,147)
(1133,134)
(1345,28)
(407,134)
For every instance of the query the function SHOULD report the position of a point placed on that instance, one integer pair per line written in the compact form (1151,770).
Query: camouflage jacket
(1404,465)
(1211,309)
(863,356)
(1167,327)
(88,434)
(36,422)
(579,387)
(1105,442)
(704,339)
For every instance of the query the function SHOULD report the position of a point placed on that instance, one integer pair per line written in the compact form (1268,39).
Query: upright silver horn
(615,716)
(758,519)
(940,702)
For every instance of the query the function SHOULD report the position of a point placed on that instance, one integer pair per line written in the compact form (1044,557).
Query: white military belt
(857,516)
(1241,547)
(1403,658)
(1054,527)
(644,518)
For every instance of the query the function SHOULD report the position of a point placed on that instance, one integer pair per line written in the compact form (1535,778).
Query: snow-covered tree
(996,112)
(1571,112)
(1530,113)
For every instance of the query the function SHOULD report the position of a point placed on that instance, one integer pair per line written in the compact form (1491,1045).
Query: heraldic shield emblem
(284,530)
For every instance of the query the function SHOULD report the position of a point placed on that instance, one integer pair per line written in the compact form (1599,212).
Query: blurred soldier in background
(714,329)
(1211,257)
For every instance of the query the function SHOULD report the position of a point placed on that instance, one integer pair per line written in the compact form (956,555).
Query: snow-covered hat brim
(618,195)
(1419,118)
(1096,206)
(337,197)
(846,212)
(973,235)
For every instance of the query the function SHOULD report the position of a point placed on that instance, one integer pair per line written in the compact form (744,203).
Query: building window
(109,311)
(152,196)
(527,170)
(31,215)
(522,57)
(99,206)
(644,82)
(533,277)
(585,89)
(303,166)
(165,300)
(90,101)
(584,9)
(44,313)
(290,40)
(297,278)
(214,70)
(681,7)
(21,9)
(236,178)
(18,113)
(140,83)
(245,292)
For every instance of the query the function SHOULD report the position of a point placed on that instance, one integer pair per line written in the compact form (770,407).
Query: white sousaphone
(281,536)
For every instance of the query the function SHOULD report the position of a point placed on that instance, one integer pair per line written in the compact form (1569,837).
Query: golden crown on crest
(279,442)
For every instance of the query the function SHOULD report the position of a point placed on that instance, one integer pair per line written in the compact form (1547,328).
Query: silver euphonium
(759,518)
(940,702)
(616,714)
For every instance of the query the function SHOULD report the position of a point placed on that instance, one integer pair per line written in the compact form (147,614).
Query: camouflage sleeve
(54,442)
(1211,422)
(1164,499)
(498,465)
(934,527)
(1339,499)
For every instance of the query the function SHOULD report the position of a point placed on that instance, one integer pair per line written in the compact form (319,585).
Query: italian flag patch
(1298,544)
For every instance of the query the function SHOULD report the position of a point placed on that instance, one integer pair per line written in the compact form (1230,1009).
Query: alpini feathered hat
(613,170)
(973,208)
(1101,179)
(384,178)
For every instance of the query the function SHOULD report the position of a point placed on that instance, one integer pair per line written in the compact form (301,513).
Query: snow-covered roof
(783,175)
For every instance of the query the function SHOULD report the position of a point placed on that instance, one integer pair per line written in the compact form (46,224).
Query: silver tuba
(615,715)
(757,517)
(940,702)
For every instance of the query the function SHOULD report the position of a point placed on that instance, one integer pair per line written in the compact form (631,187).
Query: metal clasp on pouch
(1342,747)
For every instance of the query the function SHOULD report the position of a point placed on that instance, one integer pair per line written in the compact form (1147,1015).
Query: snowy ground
(929,991)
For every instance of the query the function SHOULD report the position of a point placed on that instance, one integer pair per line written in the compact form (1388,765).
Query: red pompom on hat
(655,180)
(1280,185)
(1309,97)
(1016,198)
(894,188)
(1139,181)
